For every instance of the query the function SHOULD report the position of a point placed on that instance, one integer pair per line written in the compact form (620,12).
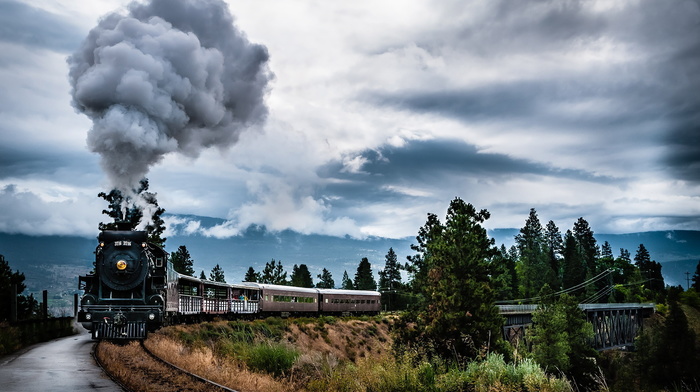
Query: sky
(368,115)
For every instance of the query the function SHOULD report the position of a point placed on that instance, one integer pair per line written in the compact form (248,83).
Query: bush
(494,374)
(273,358)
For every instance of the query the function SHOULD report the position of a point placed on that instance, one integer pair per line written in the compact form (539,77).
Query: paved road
(63,364)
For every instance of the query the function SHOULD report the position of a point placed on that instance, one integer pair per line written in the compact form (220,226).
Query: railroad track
(136,369)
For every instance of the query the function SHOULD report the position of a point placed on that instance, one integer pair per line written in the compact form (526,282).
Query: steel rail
(179,369)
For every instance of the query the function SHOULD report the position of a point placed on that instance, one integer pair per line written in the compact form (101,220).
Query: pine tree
(301,277)
(574,267)
(251,275)
(124,210)
(27,306)
(455,316)
(347,283)
(533,265)
(274,273)
(217,274)
(202,276)
(364,278)
(554,246)
(588,245)
(182,261)
(504,276)
(696,278)
(325,280)
(650,270)
(390,276)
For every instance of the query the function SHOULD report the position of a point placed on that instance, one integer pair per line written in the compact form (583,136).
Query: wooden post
(13,303)
(75,305)
(45,305)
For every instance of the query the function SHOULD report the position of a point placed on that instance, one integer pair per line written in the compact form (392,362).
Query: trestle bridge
(614,325)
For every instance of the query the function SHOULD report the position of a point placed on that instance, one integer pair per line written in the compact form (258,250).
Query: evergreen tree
(455,316)
(301,277)
(347,283)
(274,273)
(560,338)
(364,278)
(217,274)
(202,276)
(588,245)
(667,356)
(505,281)
(325,280)
(125,210)
(574,267)
(554,246)
(251,275)
(696,278)
(623,275)
(390,276)
(533,265)
(182,261)
(589,251)
(27,306)
(650,270)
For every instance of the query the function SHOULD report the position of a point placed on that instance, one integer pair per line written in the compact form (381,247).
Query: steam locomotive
(134,289)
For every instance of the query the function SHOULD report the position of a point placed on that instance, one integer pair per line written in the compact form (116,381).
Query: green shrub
(494,374)
(273,358)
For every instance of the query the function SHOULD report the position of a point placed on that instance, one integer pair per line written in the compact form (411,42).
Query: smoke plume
(169,76)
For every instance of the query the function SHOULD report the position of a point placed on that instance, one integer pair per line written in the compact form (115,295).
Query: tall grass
(412,374)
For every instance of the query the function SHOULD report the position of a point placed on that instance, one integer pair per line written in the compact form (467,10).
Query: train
(135,290)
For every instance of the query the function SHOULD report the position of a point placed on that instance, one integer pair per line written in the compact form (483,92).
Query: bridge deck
(614,324)
(531,308)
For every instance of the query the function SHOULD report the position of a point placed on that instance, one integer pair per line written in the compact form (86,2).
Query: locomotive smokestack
(169,76)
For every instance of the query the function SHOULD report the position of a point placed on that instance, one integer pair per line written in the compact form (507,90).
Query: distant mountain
(54,262)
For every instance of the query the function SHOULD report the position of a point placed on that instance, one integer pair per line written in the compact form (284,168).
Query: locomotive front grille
(130,330)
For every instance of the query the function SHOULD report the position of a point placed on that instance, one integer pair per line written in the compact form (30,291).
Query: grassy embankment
(329,354)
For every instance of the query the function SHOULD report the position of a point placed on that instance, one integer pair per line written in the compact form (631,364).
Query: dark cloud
(645,81)
(431,164)
(679,73)
(23,24)
(44,161)
(623,103)
(526,26)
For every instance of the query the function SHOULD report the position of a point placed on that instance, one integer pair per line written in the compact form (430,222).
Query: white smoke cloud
(166,77)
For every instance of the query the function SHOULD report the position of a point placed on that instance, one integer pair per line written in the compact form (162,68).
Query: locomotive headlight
(143,244)
(88,316)
(121,265)
(151,316)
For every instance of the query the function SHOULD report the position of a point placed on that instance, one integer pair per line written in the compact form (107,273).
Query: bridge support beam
(614,327)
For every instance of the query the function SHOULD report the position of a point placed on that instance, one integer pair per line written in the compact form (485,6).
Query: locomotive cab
(124,298)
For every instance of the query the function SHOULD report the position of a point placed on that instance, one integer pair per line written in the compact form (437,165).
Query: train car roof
(287,288)
(246,285)
(349,292)
(187,277)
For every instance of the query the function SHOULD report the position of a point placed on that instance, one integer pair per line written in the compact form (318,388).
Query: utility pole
(687,280)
